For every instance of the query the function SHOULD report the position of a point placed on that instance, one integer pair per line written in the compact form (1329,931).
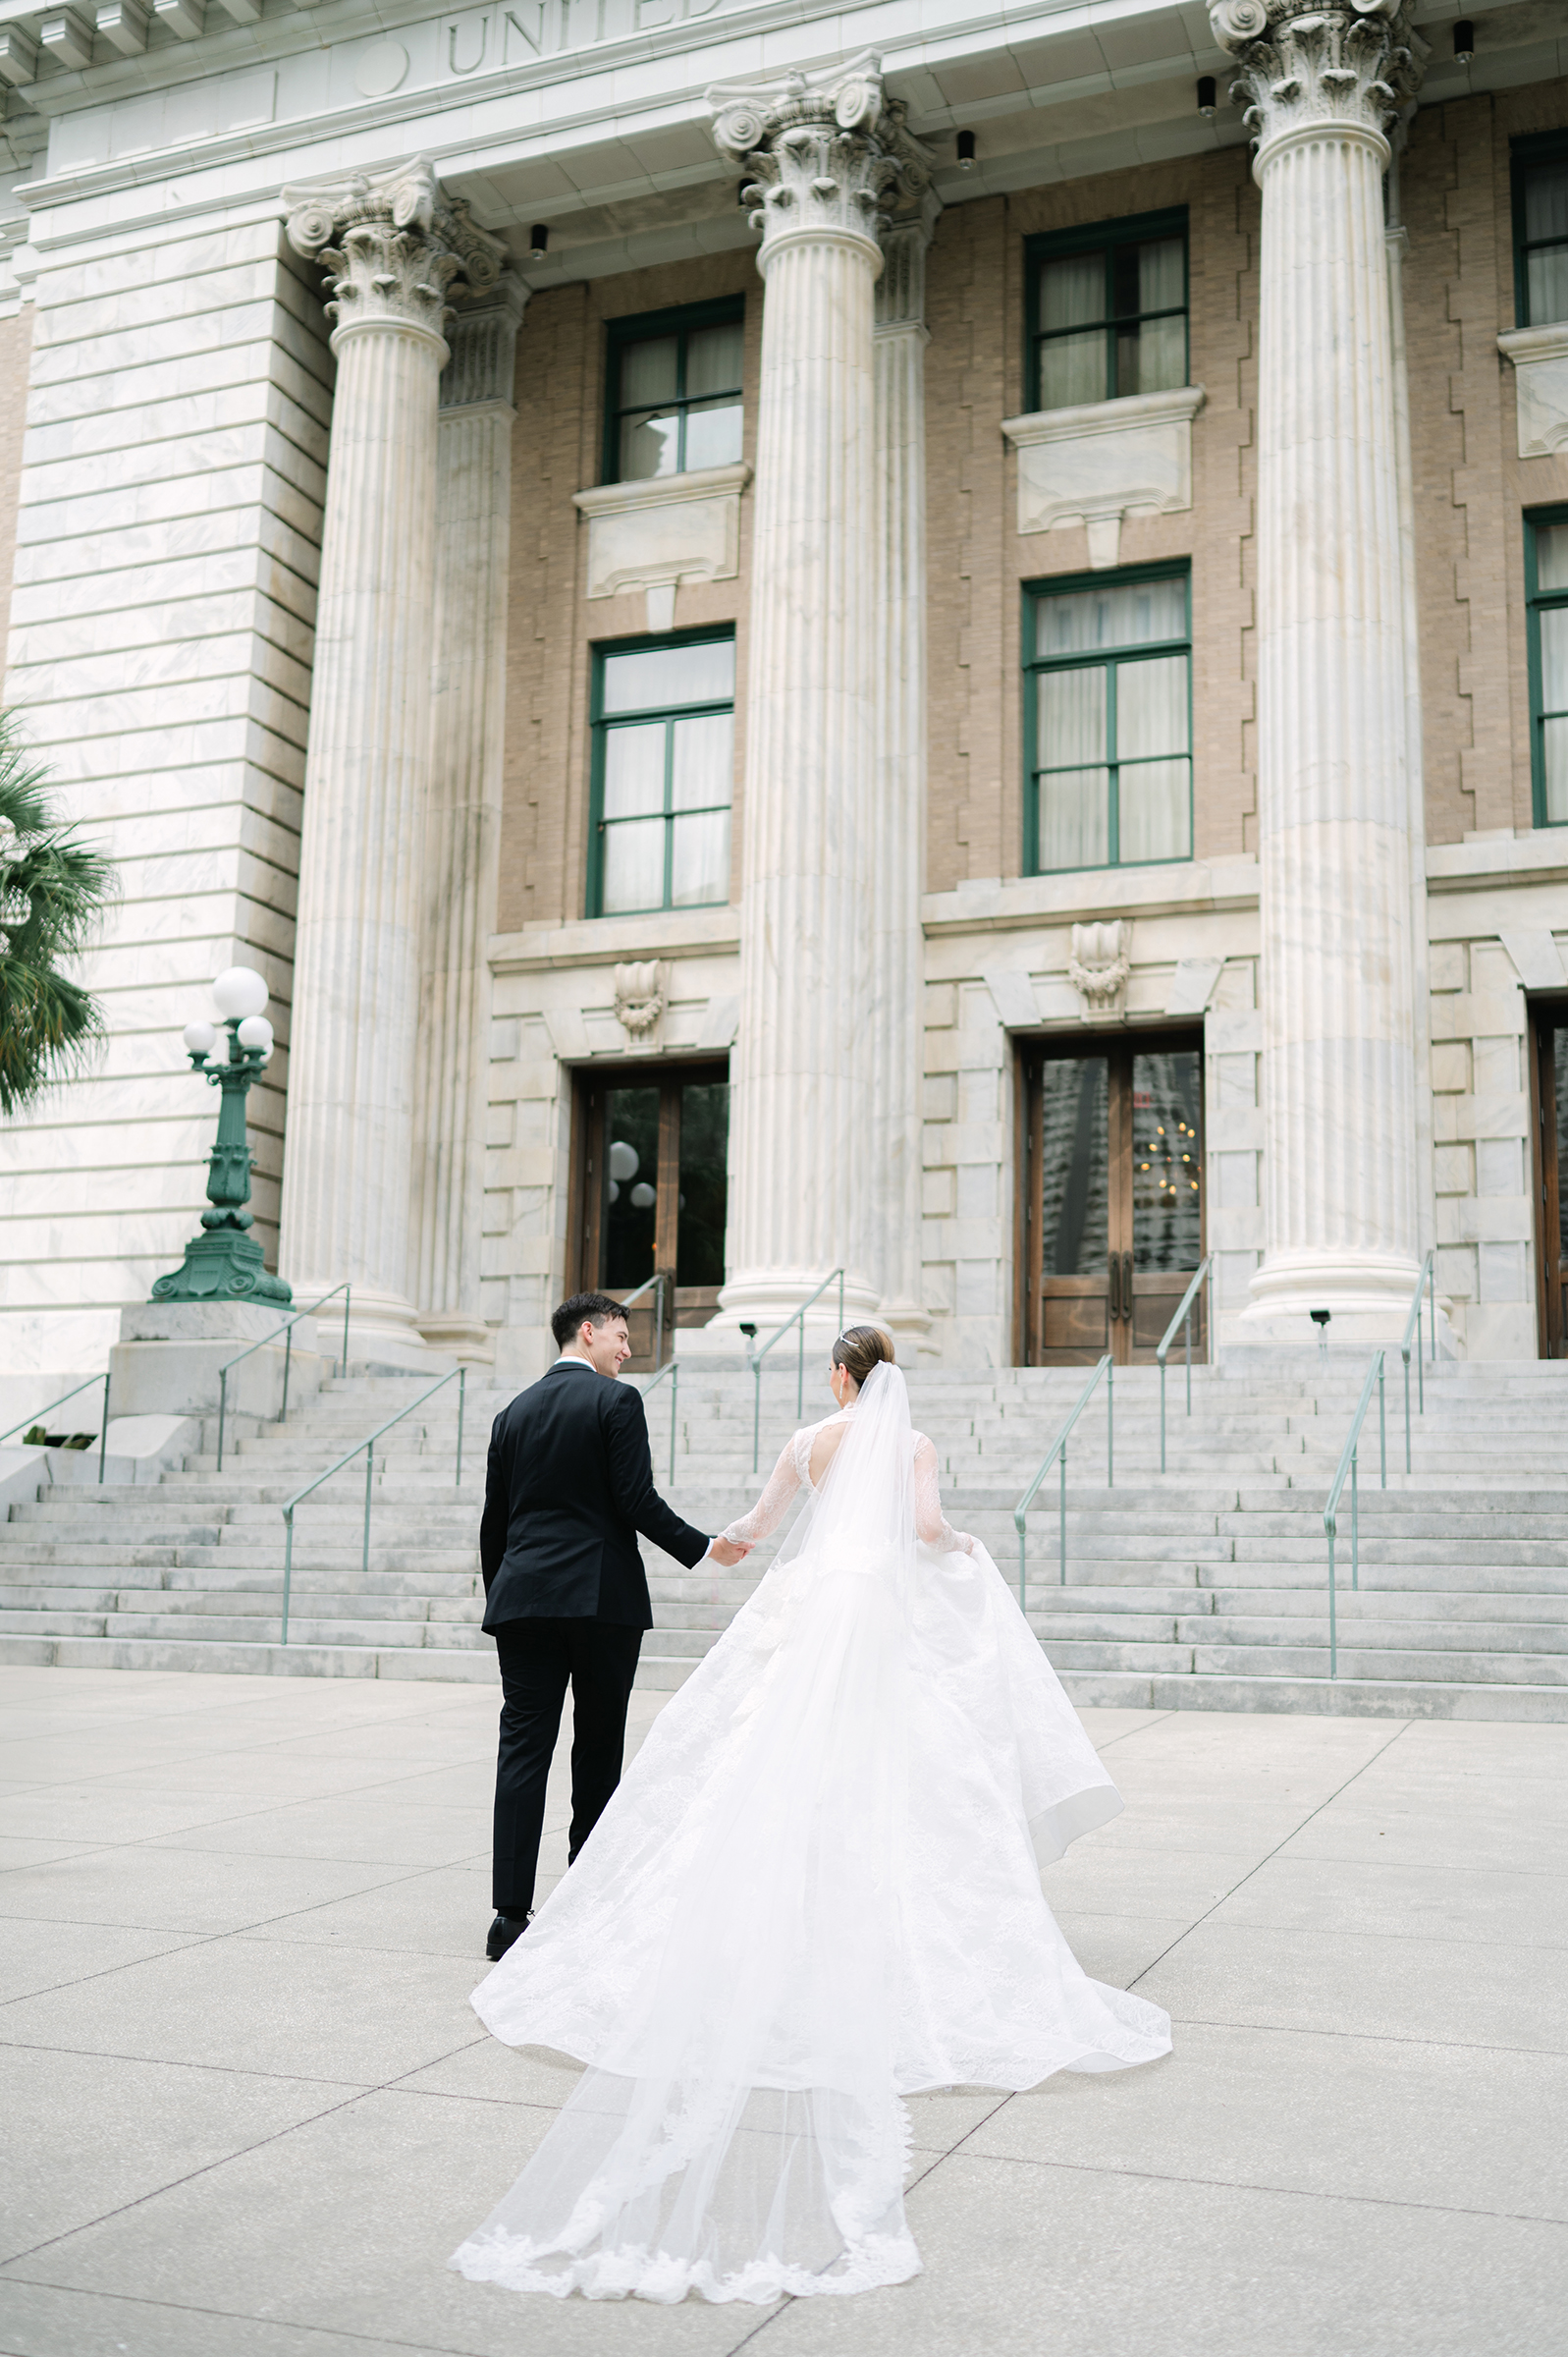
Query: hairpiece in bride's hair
(860,1348)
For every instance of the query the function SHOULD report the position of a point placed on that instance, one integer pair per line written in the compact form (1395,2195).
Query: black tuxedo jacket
(568,1487)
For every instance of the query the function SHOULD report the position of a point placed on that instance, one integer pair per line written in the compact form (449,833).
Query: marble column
(1322,84)
(468,713)
(891,1203)
(394,247)
(824,153)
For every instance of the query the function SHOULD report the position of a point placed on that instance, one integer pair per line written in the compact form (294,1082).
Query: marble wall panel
(167,525)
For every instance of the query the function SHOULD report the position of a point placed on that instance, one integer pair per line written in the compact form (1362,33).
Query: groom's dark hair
(596,1308)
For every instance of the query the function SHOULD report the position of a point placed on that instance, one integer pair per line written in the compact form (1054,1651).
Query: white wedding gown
(816,1891)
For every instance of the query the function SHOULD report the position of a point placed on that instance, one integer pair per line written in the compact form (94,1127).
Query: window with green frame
(1108,310)
(1108,720)
(662,773)
(672,391)
(1541,228)
(1547,596)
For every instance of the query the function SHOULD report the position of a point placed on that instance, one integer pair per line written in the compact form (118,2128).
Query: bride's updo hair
(860,1348)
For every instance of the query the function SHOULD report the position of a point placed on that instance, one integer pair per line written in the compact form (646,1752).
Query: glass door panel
(1115,1201)
(652,1195)
(1550,1164)
(1166,1191)
(1073,1162)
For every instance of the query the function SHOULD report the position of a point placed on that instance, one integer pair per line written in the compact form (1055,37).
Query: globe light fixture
(239,991)
(224,1262)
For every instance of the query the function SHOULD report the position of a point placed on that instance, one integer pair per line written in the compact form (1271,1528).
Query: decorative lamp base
(222,1265)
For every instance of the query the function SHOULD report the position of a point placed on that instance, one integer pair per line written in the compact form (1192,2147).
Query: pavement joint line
(228,2071)
(1327,1802)
(237,2316)
(1292,2193)
(1309,2029)
(1127,1733)
(358,2094)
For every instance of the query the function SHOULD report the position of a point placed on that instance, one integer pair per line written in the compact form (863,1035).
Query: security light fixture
(1464,41)
(1206,97)
(538,241)
(966,152)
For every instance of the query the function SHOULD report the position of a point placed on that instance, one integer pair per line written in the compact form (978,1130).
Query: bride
(816,1891)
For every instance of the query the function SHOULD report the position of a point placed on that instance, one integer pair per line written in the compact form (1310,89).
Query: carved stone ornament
(1357,63)
(823,153)
(397,248)
(639,997)
(1099,967)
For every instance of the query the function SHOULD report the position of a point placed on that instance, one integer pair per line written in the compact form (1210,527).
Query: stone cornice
(1002,905)
(661,490)
(608,940)
(394,247)
(1304,68)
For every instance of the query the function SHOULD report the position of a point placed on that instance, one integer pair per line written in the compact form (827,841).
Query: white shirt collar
(572,1361)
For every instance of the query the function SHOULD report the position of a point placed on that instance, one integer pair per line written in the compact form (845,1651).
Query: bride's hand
(728,1552)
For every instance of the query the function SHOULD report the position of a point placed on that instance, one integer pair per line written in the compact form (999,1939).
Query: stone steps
(1206,1585)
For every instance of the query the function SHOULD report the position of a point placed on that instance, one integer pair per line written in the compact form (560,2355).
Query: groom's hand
(726,1552)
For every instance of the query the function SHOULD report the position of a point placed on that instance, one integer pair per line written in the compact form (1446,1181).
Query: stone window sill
(665,529)
(1540,356)
(1094,463)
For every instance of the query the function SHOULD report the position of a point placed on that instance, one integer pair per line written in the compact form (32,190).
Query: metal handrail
(1331,1512)
(660,1278)
(1183,1317)
(368,1444)
(286,1330)
(1429,1277)
(673,1370)
(1059,1449)
(797,1318)
(38,1413)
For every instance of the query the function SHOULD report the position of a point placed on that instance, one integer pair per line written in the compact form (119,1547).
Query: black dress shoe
(503,1932)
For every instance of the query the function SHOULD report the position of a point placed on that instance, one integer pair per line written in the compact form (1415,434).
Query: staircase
(1204,1587)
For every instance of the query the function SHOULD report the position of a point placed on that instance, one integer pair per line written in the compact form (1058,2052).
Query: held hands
(728,1552)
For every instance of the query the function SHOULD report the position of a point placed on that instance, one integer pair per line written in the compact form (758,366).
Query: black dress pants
(538,1660)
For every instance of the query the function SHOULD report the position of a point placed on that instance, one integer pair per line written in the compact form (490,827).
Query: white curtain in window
(1072,368)
(700,861)
(1075,791)
(1155,801)
(634,865)
(1554,691)
(1546,216)
(704,761)
(649,445)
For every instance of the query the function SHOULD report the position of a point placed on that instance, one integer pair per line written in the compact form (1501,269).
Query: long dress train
(816,1891)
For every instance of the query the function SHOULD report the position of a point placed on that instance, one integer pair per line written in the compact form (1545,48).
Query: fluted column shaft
(350,1124)
(821,154)
(473,511)
(1338,954)
(894,1035)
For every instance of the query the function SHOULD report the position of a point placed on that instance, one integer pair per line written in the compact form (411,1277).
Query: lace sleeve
(930,1523)
(771,1508)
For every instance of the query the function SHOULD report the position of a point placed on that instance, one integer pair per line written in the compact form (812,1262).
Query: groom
(568,1487)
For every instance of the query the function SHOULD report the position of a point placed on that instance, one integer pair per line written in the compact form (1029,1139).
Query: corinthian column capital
(1351,65)
(826,154)
(397,247)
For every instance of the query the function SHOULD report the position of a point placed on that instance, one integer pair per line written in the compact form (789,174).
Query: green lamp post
(224,1262)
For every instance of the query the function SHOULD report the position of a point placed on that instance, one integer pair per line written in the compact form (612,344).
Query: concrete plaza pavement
(246,2110)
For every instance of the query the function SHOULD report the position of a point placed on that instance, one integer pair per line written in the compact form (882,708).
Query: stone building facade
(781,652)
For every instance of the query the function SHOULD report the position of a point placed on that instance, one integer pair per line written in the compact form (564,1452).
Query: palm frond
(56,890)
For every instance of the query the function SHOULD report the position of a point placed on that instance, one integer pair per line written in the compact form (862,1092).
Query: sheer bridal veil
(737,2131)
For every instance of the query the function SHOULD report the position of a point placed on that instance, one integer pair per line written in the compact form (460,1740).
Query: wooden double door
(651,1147)
(1113,1196)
